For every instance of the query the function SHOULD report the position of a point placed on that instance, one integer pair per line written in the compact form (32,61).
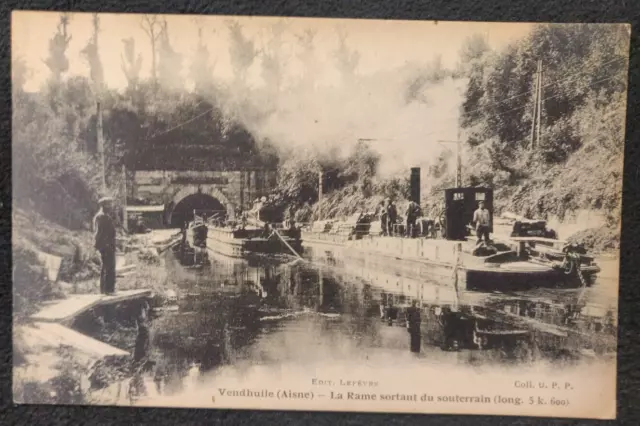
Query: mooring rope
(275,231)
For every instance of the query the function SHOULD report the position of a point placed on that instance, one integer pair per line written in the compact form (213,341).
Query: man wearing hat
(105,243)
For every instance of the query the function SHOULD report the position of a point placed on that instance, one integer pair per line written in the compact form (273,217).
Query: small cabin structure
(460,203)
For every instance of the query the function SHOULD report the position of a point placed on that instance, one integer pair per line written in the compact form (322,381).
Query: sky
(382,44)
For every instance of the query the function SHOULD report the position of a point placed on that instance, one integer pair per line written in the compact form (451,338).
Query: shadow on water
(266,310)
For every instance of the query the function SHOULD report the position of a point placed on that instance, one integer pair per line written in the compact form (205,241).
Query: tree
(471,54)
(152,27)
(131,63)
(361,167)
(242,52)
(20,73)
(433,72)
(307,56)
(169,61)
(347,60)
(201,70)
(92,56)
(584,70)
(57,61)
(273,61)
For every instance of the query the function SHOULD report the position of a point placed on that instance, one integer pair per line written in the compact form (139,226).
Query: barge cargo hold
(241,242)
(513,261)
(503,271)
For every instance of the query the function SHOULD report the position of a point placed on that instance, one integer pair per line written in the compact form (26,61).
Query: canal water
(272,316)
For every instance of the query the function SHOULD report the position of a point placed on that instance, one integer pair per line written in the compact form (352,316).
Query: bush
(31,285)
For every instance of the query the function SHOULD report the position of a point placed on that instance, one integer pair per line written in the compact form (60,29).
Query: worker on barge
(412,214)
(482,221)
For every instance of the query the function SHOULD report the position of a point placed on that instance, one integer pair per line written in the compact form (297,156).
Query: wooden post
(459,161)
(535,108)
(539,102)
(125,219)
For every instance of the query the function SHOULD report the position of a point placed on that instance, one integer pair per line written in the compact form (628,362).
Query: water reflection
(272,311)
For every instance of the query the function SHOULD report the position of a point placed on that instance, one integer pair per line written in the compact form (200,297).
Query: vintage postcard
(317,214)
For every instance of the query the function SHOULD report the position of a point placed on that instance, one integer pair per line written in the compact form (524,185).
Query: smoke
(404,129)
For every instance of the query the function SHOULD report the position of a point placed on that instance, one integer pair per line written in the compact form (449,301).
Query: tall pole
(539,101)
(320,186)
(101,148)
(534,115)
(459,161)
(458,143)
(125,219)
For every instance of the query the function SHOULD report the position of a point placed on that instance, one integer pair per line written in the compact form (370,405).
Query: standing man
(105,243)
(412,213)
(383,217)
(482,220)
(392,217)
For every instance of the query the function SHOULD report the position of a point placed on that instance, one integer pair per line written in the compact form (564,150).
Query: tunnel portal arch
(188,198)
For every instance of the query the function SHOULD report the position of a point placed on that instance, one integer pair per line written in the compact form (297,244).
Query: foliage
(241,50)
(201,68)
(273,61)
(131,63)
(30,283)
(577,162)
(91,54)
(346,59)
(598,239)
(56,154)
(169,61)
(349,184)
(57,61)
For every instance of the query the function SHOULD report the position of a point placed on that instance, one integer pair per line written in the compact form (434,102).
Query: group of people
(389,218)
(388,214)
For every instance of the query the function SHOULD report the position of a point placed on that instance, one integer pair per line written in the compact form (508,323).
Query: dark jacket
(392,212)
(105,237)
(413,319)
(413,210)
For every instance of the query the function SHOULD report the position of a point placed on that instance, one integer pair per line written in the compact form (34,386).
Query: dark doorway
(183,211)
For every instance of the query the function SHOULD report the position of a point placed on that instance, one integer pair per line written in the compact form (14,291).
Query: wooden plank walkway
(65,309)
(57,334)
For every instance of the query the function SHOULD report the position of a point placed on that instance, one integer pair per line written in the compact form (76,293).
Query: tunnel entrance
(183,211)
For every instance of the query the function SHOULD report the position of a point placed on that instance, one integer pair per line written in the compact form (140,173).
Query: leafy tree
(584,70)
(57,61)
(20,73)
(131,63)
(307,56)
(472,54)
(242,52)
(361,167)
(346,59)
(273,62)
(92,56)
(169,61)
(152,26)
(201,69)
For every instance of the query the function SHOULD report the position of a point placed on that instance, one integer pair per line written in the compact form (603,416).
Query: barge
(523,259)
(257,232)
(240,242)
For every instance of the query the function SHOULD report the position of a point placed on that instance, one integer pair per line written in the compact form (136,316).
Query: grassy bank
(60,375)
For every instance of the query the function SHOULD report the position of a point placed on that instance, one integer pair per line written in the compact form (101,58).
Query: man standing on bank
(105,243)
(482,220)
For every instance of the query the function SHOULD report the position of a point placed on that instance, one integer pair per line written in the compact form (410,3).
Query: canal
(268,317)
